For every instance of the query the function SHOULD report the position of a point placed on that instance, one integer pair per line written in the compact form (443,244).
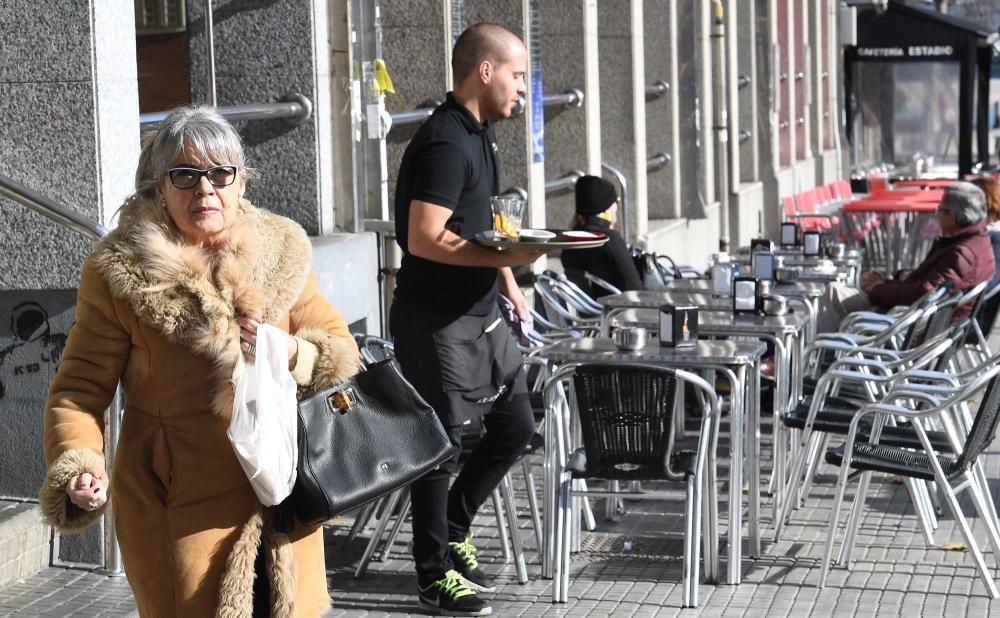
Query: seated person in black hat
(597,211)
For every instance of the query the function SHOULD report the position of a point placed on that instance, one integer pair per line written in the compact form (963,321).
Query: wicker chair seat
(682,462)
(893,460)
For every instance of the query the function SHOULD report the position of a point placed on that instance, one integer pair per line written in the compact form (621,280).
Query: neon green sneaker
(463,555)
(451,596)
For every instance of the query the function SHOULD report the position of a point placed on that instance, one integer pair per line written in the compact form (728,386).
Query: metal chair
(826,413)
(394,507)
(565,307)
(927,463)
(625,414)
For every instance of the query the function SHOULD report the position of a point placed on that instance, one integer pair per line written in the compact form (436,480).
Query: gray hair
(966,201)
(199,125)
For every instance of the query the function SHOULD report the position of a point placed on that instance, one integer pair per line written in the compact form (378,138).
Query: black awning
(911,34)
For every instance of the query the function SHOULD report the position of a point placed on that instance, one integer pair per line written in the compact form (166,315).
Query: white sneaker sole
(478,588)
(437,611)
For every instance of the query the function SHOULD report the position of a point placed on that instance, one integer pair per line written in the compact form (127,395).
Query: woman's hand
(87,491)
(248,341)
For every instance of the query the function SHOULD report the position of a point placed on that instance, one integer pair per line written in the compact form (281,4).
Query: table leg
(752,432)
(554,458)
(737,413)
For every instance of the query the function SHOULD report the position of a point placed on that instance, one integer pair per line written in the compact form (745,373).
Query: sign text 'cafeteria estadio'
(911,51)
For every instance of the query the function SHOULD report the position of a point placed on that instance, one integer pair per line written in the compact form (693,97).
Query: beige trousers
(837,302)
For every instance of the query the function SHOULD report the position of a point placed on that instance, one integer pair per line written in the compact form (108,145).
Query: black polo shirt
(450,162)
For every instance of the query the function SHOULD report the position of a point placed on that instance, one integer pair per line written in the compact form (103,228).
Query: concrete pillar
(69,113)
(663,183)
(266,52)
(416,49)
(619,137)
(566,129)
(69,129)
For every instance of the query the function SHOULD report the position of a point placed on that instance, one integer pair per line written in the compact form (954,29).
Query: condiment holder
(629,338)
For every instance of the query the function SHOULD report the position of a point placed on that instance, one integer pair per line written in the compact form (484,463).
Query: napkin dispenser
(811,245)
(746,295)
(761,244)
(789,234)
(762,265)
(722,276)
(678,325)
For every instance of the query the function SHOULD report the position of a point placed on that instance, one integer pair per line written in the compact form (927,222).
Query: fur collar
(193,295)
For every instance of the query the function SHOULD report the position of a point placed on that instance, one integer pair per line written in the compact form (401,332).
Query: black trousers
(435,359)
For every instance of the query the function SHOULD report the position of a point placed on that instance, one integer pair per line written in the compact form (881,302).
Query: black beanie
(594,195)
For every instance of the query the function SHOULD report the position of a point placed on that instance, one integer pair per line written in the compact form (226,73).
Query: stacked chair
(394,507)
(951,470)
(896,388)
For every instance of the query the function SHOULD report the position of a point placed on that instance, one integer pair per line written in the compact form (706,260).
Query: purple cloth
(520,328)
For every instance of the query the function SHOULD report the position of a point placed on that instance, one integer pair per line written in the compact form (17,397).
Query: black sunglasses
(188,177)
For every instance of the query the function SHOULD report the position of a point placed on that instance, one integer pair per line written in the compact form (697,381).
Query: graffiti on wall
(35,346)
(33,330)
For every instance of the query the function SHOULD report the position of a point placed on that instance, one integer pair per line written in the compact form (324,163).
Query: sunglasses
(188,177)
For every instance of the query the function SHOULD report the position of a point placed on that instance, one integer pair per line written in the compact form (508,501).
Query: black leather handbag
(649,271)
(361,440)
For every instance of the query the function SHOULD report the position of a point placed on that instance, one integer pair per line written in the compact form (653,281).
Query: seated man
(596,211)
(962,255)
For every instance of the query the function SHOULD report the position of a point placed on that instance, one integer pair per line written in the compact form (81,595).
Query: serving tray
(490,238)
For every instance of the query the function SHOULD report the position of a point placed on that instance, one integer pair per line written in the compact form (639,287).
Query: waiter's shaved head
(478,43)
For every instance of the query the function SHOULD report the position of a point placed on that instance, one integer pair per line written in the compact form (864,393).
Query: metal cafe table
(806,293)
(739,364)
(896,227)
(787,333)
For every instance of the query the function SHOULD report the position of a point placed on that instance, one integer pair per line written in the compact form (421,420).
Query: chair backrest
(974,296)
(579,277)
(789,203)
(626,418)
(373,348)
(845,189)
(984,426)
(575,297)
(943,317)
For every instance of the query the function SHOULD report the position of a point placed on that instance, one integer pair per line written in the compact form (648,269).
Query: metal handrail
(657,88)
(423,112)
(623,209)
(518,192)
(94,231)
(566,181)
(657,161)
(80,224)
(567,98)
(296,108)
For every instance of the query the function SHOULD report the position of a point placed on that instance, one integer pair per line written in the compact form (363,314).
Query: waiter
(449,337)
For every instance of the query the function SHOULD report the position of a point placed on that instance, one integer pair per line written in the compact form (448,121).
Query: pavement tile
(893,574)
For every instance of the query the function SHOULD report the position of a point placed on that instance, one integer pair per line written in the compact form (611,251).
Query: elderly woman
(169,303)
(962,256)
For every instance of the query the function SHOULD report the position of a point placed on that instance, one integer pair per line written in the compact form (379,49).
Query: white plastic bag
(264,425)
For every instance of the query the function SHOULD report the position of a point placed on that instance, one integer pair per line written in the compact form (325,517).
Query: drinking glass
(507,212)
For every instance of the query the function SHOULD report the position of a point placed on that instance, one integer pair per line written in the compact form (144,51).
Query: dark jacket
(611,262)
(964,258)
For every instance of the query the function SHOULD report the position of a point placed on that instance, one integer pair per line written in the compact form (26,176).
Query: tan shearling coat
(160,315)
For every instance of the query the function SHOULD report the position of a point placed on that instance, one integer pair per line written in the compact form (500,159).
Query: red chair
(877,184)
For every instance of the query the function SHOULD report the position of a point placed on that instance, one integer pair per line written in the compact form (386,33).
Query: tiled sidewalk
(632,568)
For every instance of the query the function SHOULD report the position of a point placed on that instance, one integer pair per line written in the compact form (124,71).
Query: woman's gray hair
(199,125)
(966,201)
